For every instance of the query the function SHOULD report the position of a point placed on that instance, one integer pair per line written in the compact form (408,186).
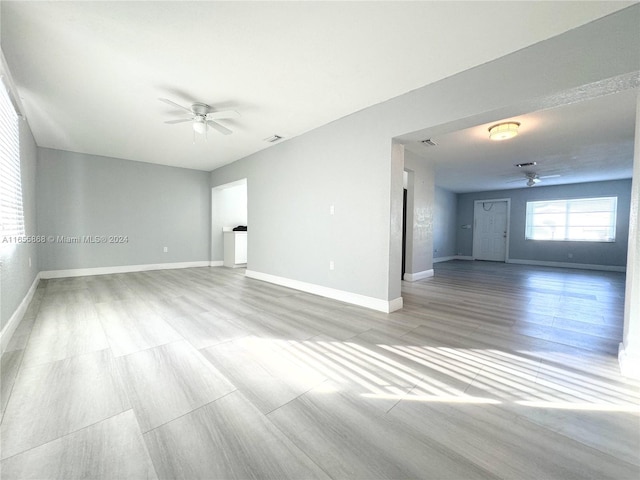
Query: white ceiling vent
(273,138)
(428,143)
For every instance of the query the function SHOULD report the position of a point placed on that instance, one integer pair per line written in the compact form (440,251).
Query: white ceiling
(582,142)
(89,74)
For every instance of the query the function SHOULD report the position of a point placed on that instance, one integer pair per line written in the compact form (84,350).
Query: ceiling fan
(533,178)
(202,116)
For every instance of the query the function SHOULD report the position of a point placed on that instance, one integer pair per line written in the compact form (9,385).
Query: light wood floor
(489,371)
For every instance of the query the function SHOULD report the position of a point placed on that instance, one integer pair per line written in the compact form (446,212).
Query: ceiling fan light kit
(532,178)
(199,125)
(203,116)
(503,131)
(532,181)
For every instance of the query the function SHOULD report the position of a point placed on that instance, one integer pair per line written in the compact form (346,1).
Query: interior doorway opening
(229,209)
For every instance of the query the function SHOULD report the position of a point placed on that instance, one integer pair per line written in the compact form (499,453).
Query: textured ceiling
(89,74)
(585,141)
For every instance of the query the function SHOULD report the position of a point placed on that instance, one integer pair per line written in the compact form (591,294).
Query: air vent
(273,138)
(428,143)
(528,164)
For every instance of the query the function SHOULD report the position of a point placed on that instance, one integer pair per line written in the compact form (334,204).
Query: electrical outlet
(332,209)
(331,265)
(570,255)
(165,249)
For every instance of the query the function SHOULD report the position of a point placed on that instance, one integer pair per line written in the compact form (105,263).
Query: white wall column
(420,210)
(395,231)
(629,353)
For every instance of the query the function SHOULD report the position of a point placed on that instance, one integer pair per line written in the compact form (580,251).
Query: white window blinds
(580,219)
(11,212)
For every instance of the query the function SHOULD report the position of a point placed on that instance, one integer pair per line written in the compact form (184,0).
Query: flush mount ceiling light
(503,131)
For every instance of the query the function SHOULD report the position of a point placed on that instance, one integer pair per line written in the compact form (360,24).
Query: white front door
(490,230)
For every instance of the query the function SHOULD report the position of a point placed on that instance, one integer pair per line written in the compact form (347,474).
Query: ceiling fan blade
(179,121)
(220,128)
(174,104)
(222,115)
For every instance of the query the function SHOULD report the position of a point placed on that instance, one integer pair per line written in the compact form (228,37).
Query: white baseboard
(386,306)
(581,266)
(84,272)
(9,329)
(395,304)
(413,277)
(463,257)
(216,263)
(629,362)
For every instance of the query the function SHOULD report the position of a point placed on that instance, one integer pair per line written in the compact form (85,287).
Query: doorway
(491,230)
(228,210)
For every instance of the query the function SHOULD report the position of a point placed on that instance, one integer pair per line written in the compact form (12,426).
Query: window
(11,214)
(580,219)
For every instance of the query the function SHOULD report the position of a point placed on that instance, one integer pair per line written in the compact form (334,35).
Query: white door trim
(476,203)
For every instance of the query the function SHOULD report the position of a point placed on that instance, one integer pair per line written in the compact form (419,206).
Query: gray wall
(154,206)
(17,276)
(445,229)
(612,254)
(290,189)
(348,163)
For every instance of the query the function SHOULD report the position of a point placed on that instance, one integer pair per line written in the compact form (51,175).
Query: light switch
(332,209)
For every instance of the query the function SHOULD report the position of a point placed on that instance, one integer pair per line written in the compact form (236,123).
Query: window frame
(529,234)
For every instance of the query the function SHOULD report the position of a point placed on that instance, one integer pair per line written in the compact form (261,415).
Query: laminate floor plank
(611,431)
(439,371)
(131,325)
(168,381)
(207,329)
(509,446)
(263,371)
(105,289)
(280,325)
(260,302)
(335,323)
(218,303)
(372,373)
(52,400)
(211,300)
(308,302)
(353,441)
(227,439)
(66,297)
(110,449)
(64,330)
